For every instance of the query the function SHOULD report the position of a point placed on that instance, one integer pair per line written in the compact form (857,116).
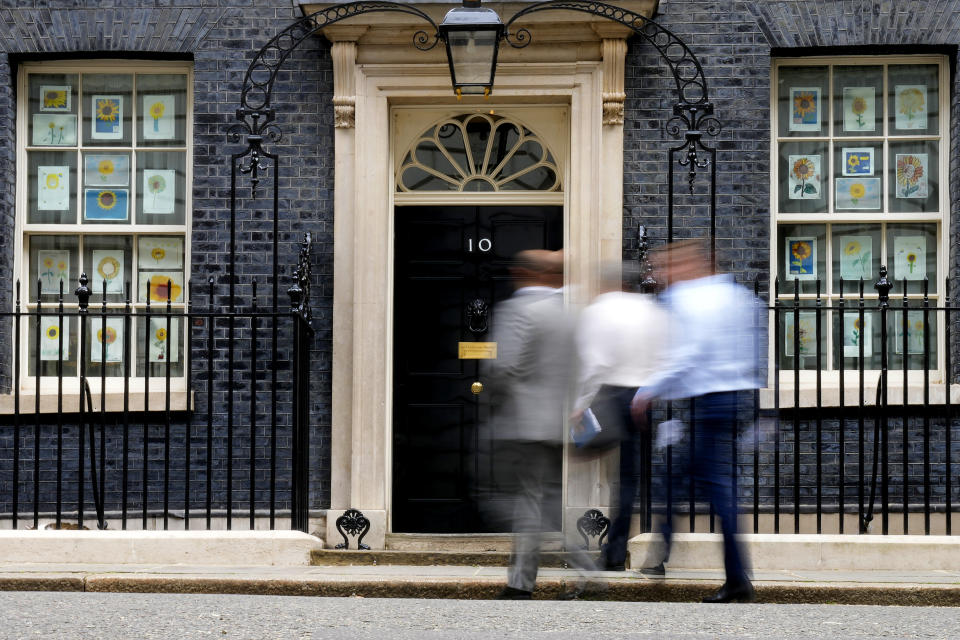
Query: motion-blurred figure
(528,382)
(620,341)
(711,358)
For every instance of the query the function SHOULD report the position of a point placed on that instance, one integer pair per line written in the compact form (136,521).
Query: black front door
(450,262)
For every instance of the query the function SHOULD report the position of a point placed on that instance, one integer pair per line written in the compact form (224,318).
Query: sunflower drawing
(53,181)
(158,254)
(161,343)
(909,174)
(855,334)
(108,268)
(162,288)
(110,338)
(107,200)
(804,103)
(53,331)
(861,260)
(804,171)
(108,109)
(857,191)
(157,185)
(800,251)
(911,261)
(156,112)
(859,107)
(911,102)
(54,99)
(105,168)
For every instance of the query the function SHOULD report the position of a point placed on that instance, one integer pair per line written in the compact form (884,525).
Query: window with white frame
(103,188)
(861,145)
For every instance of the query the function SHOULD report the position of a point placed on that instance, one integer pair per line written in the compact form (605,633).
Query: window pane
(106,107)
(914,176)
(108,259)
(857,101)
(805,341)
(858,176)
(857,333)
(52,104)
(913,100)
(802,249)
(802,169)
(51,187)
(162,110)
(912,256)
(161,187)
(856,254)
(53,259)
(802,94)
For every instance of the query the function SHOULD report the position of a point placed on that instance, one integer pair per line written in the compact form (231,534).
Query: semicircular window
(478,152)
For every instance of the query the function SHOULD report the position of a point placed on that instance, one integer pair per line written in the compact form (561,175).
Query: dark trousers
(713,473)
(612,408)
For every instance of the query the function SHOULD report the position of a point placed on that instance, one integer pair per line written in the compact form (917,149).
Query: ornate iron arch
(692,112)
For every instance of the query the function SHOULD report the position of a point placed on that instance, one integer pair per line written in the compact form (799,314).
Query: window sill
(113,402)
(830,394)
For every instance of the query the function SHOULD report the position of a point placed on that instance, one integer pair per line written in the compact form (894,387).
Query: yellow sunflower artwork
(912,175)
(107,118)
(801,258)
(804,177)
(805,109)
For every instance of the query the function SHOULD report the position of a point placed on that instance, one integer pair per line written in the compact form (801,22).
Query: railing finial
(883,286)
(83,292)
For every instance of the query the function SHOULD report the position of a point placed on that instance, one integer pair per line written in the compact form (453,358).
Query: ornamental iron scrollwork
(299,292)
(593,523)
(477,312)
(354,524)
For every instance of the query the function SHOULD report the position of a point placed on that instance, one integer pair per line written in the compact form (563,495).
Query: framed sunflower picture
(55,98)
(164,343)
(107,267)
(107,118)
(859,109)
(159,252)
(53,267)
(159,191)
(53,331)
(159,117)
(857,193)
(857,161)
(805,109)
(856,254)
(909,257)
(806,337)
(912,171)
(910,106)
(107,170)
(854,334)
(107,205)
(106,341)
(915,330)
(54,130)
(801,258)
(803,181)
(161,285)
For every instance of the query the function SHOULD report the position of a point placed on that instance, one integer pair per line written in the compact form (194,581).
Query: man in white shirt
(713,328)
(619,342)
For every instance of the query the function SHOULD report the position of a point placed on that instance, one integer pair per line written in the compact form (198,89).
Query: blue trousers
(714,473)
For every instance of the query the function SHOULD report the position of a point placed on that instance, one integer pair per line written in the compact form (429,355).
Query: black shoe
(509,593)
(657,570)
(742,592)
(614,566)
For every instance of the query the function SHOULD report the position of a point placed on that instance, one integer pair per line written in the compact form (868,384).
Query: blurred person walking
(620,338)
(711,358)
(528,383)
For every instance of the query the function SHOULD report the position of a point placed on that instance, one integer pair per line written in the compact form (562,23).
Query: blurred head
(538,267)
(684,260)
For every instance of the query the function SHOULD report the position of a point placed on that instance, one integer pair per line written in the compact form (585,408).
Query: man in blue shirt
(711,358)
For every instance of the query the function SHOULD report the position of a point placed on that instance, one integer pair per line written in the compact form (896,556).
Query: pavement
(927,588)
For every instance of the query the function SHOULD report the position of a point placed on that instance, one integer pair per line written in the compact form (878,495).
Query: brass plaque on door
(478,350)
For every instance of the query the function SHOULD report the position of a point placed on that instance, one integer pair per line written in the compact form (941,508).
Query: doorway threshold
(464,542)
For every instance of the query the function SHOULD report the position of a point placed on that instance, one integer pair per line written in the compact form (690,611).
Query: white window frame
(114,386)
(829,375)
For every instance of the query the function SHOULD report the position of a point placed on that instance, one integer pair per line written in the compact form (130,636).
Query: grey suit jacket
(532,372)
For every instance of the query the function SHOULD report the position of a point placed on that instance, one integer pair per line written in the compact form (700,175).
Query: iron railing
(843,429)
(217,429)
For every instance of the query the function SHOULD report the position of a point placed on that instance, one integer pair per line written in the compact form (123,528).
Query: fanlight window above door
(478,152)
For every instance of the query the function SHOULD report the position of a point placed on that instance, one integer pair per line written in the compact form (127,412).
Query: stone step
(353,557)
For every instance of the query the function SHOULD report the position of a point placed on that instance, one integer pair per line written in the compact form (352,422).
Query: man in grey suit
(528,382)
